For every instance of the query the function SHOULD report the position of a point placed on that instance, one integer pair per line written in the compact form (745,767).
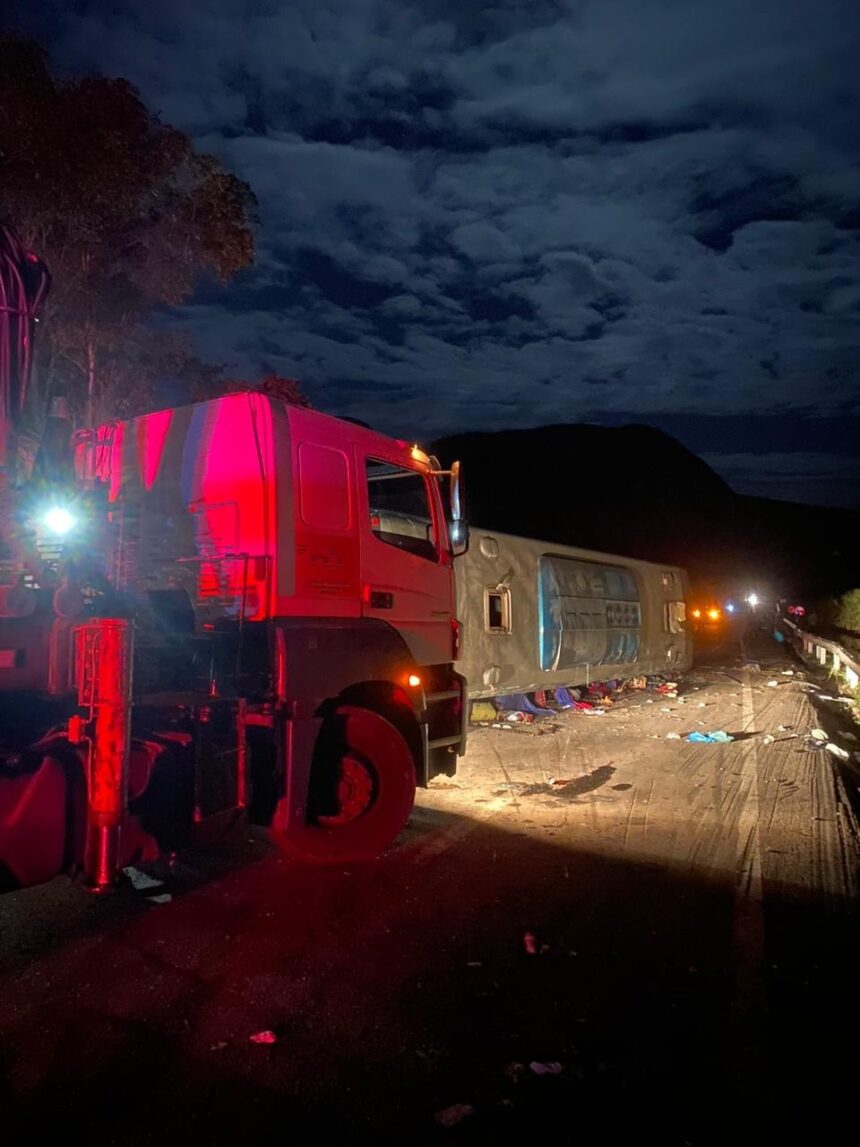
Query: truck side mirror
(459,525)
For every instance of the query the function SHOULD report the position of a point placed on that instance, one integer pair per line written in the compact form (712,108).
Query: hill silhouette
(636,490)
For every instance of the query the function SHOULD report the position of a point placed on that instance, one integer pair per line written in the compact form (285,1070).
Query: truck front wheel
(362,789)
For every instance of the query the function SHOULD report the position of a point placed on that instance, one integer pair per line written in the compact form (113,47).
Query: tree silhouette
(286,390)
(129,219)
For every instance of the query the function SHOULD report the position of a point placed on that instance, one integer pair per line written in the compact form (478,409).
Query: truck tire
(362,790)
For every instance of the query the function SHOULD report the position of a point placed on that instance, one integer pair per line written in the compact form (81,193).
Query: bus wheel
(362,789)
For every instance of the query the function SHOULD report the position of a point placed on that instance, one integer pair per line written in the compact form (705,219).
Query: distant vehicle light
(697,613)
(414,680)
(59,521)
(730,607)
(713,614)
(753,600)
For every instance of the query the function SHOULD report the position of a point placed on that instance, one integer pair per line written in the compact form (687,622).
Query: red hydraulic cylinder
(104,650)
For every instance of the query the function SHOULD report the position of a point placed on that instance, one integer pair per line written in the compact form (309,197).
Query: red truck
(233,609)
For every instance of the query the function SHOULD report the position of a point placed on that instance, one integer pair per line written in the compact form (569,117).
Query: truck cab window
(400,513)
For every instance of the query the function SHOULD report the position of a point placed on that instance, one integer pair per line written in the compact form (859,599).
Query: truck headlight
(58,520)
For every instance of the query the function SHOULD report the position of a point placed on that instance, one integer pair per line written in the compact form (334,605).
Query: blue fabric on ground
(520,701)
(716,738)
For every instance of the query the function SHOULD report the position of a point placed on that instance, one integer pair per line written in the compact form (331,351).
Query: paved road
(669,924)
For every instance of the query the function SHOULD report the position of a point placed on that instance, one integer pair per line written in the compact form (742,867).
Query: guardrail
(827,653)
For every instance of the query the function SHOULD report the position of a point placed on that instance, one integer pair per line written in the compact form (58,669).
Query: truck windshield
(400,512)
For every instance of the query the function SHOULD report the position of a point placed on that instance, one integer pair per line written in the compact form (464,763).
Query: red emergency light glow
(151,445)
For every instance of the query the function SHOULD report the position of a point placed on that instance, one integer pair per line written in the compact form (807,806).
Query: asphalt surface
(596,933)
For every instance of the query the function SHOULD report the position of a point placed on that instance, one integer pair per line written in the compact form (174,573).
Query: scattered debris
(788,673)
(773,684)
(218,1046)
(546,1068)
(263,1037)
(673,736)
(515,1071)
(517,717)
(483,711)
(456,1113)
(718,737)
(838,751)
(604,689)
(818,735)
(143,882)
(530,944)
(140,881)
(846,736)
(768,739)
(475,964)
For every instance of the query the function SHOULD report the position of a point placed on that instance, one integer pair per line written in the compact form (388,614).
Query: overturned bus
(535,615)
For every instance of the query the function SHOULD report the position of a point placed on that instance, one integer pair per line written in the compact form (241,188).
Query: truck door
(407,576)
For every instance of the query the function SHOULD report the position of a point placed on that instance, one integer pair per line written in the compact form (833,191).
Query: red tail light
(455,639)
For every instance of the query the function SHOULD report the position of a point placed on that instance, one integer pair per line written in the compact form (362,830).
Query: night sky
(529,211)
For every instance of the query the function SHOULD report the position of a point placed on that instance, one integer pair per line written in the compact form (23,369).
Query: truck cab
(284,580)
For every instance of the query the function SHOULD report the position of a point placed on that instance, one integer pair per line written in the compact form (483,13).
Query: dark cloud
(525,212)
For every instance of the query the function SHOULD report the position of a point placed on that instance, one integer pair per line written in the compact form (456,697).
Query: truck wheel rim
(354,792)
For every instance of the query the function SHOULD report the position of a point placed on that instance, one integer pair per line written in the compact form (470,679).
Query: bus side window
(497,610)
(675,616)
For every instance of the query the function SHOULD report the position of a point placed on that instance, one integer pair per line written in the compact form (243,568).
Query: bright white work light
(59,521)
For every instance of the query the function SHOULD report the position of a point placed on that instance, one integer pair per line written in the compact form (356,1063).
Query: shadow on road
(402,988)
